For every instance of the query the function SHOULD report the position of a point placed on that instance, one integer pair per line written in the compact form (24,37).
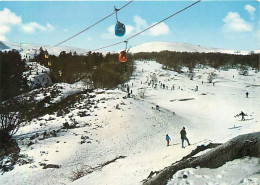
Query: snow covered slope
(181,47)
(30,49)
(109,125)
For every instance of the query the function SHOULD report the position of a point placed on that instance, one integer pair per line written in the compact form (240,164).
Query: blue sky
(219,24)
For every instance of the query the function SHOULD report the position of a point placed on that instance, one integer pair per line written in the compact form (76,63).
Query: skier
(168,139)
(247,94)
(184,137)
(243,115)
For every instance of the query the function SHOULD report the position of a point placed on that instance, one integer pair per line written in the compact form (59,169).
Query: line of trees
(176,60)
(104,71)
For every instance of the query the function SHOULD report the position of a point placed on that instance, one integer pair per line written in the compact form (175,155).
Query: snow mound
(37,76)
(181,47)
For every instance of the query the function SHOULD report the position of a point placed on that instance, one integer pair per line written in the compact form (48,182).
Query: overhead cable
(148,27)
(94,23)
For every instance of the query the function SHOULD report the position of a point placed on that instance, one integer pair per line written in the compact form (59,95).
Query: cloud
(4,29)
(2,38)
(234,23)
(110,34)
(49,27)
(251,11)
(8,19)
(140,24)
(160,29)
(32,27)
(129,29)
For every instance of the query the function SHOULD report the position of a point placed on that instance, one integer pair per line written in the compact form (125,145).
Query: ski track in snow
(137,129)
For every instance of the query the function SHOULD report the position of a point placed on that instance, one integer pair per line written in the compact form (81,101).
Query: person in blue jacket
(168,139)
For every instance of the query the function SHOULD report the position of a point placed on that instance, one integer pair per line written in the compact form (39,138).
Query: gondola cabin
(119,29)
(122,56)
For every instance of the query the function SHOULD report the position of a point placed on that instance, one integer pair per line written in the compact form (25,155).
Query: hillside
(182,47)
(29,49)
(106,137)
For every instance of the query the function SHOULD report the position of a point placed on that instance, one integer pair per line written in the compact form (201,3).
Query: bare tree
(10,123)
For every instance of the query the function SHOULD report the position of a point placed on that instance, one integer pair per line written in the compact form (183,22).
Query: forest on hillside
(177,60)
(103,71)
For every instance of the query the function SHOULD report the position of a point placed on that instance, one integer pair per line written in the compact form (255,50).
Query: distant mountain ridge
(184,47)
(3,46)
(145,47)
(31,49)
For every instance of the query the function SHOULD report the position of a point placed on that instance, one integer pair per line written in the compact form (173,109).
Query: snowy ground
(247,173)
(137,130)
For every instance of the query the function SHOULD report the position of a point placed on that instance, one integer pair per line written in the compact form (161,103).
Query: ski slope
(133,128)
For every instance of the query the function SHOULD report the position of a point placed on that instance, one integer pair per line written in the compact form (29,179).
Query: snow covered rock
(38,75)
(236,148)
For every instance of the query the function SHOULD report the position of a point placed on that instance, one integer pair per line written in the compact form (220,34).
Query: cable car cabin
(122,56)
(46,56)
(119,29)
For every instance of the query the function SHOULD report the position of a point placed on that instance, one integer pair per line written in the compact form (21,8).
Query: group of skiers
(183,138)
